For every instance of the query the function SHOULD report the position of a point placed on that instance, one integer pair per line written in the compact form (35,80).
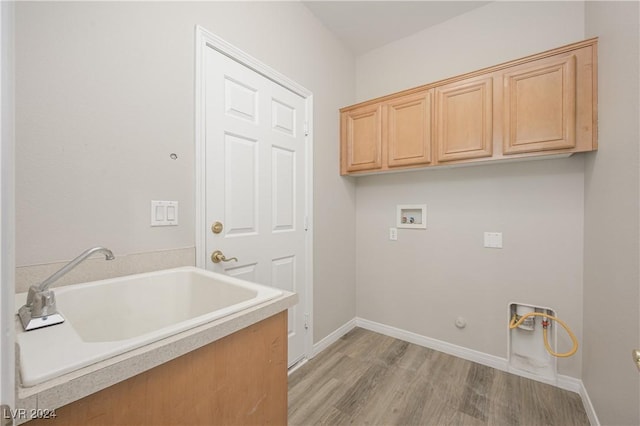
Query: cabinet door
(464,120)
(409,130)
(362,138)
(540,106)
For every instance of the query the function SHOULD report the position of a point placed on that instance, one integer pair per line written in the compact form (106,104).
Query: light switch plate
(493,239)
(164,213)
(393,234)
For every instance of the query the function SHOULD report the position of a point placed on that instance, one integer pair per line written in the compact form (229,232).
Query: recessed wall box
(412,216)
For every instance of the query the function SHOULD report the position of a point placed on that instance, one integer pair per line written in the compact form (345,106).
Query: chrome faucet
(40,309)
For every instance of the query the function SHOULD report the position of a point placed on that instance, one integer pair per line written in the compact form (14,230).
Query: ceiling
(367,25)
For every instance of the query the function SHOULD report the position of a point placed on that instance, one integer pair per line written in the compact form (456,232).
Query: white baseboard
(333,337)
(569,383)
(297,365)
(588,406)
(563,382)
(438,345)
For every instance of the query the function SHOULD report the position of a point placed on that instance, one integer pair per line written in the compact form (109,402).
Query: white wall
(105,93)
(423,281)
(492,34)
(612,215)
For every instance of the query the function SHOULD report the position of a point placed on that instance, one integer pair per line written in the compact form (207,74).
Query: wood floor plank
(408,407)
(380,406)
(313,375)
(313,411)
(360,392)
(449,375)
(475,399)
(370,379)
(504,408)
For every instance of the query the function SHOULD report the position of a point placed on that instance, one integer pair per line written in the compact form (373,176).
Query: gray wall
(426,279)
(611,269)
(105,92)
(489,35)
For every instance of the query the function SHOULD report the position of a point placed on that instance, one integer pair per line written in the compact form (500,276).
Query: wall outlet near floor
(493,239)
(393,234)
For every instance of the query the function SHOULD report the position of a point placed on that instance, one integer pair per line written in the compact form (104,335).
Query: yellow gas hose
(515,322)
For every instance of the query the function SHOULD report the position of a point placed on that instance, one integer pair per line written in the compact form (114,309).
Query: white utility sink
(109,317)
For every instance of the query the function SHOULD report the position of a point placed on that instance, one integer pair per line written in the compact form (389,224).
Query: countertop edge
(78,384)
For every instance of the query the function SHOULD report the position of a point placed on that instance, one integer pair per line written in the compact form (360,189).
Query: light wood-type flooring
(370,379)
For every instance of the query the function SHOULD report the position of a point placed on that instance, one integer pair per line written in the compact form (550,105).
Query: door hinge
(306,321)
(7,415)
(306,128)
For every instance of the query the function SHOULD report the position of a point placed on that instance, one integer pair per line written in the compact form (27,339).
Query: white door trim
(206,40)
(7,207)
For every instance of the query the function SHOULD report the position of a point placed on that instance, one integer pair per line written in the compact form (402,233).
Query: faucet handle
(44,304)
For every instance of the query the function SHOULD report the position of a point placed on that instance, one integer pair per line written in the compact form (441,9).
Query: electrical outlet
(393,234)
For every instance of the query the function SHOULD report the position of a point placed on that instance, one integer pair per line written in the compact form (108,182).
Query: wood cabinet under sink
(239,379)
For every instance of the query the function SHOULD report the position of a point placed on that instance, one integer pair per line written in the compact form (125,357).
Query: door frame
(207,40)
(7,209)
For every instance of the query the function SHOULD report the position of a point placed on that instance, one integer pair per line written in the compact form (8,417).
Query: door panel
(283,192)
(283,117)
(284,277)
(363,133)
(465,120)
(409,130)
(244,272)
(540,108)
(255,181)
(240,100)
(240,190)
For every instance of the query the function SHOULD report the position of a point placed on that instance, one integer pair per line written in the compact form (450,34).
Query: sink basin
(109,317)
(136,305)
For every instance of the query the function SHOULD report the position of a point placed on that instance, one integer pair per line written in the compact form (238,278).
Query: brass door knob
(217,257)
(216,228)
(635,354)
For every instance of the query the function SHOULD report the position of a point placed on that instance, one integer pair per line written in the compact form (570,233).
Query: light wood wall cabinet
(465,120)
(362,136)
(542,104)
(389,134)
(407,129)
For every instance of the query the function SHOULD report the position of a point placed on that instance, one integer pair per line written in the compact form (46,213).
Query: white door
(255,151)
